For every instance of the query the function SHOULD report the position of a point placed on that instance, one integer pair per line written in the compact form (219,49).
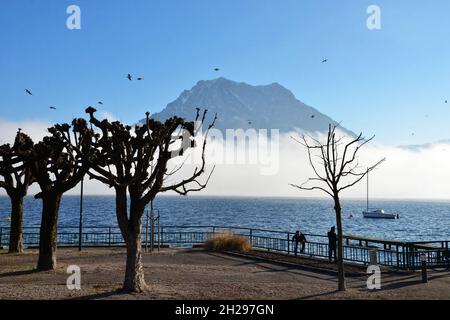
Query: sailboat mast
(367,189)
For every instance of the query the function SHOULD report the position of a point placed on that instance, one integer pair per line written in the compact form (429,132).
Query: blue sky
(380,82)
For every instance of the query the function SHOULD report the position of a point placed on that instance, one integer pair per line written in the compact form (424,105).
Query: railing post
(397,256)
(146,230)
(152,230)
(447,257)
(109,236)
(408,257)
(159,239)
(251,237)
(405,259)
(1,239)
(288,244)
(412,258)
(80,237)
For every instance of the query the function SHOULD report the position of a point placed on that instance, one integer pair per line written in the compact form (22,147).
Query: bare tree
(336,168)
(135,163)
(57,168)
(16,178)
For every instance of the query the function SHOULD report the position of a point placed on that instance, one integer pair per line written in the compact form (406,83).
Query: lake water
(419,220)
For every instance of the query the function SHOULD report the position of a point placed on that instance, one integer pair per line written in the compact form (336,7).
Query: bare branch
(311,188)
(361,176)
(328,154)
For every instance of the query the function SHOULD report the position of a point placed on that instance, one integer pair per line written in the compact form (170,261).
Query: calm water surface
(420,220)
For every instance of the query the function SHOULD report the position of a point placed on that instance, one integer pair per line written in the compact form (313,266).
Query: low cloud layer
(35,129)
(419,173)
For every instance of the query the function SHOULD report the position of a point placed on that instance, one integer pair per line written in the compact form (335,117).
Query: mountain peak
(241,105)
(276,84)
(221,81)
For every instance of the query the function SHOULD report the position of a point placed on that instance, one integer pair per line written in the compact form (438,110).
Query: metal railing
(397,254)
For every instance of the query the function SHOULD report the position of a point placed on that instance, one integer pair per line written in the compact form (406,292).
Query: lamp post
(80,227)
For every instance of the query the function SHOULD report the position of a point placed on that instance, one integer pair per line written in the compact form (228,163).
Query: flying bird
(29,92)
(446,101)
(216,69)
(139,78)
(129,77)
(324,60)
(52,107)
(100,102)
(313,116)
(249,121)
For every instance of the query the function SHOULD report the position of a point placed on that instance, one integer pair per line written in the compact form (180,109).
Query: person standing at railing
(297,238)
(332,244)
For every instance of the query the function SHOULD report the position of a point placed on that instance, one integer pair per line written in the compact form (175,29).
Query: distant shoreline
(327,199)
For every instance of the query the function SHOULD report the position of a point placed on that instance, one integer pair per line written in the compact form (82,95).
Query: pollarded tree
(16,178)
(135,163)
(336,169)
(57,168)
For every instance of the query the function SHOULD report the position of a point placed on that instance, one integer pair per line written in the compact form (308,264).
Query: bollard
(423,259)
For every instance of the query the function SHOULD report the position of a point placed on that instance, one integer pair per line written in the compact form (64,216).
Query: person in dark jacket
(299,237)
(332,244)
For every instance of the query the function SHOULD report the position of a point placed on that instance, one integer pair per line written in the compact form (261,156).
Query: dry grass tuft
(228,241)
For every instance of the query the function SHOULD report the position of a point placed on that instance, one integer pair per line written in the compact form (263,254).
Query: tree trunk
(340,253)
(48,232)
(16,230)
(134,273)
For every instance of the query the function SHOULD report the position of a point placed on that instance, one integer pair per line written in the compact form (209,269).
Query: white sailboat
(377,213)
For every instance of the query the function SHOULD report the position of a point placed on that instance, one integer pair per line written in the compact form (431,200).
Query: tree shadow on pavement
(318,295)
(18,273)
(101,295)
